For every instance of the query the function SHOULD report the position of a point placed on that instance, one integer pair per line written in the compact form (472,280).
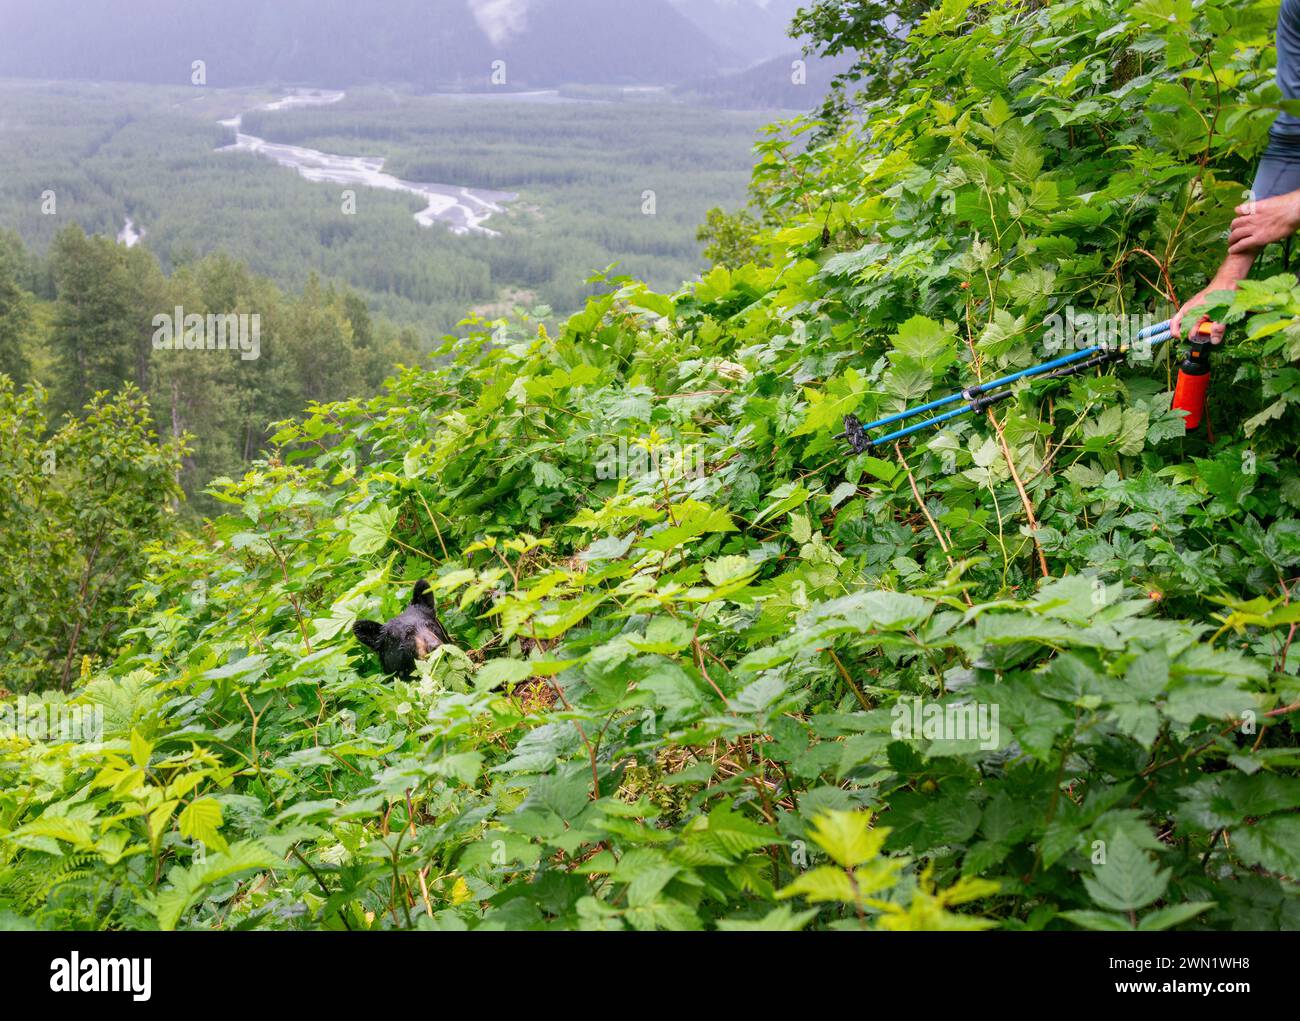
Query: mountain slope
(425,43)
(769,85)
(749,30)
(624,41)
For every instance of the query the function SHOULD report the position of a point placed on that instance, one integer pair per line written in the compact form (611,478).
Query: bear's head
(411,635)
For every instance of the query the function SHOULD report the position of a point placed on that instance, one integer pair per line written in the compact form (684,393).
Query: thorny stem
(319,882)
(293,597)
(862,699)
(436,530)
(1020,488)
(943,544)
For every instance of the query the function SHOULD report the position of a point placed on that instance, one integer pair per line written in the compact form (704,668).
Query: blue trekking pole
(981,396)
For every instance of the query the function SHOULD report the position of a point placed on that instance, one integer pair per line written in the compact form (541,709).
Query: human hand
(1188,311)
(1233,271)
(1261,222)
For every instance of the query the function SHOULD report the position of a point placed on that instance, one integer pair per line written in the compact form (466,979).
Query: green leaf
(1272,844)
(926,342)
(663,636)
(496,672)
(1128,879)
(848,837)
(824,883)
(188,884)
(371,530)
(1098,920)
(826,410)
(779,919)
(694,519)
(841,493)
(1167,918)
(140,749)
(729,570)
(200,820)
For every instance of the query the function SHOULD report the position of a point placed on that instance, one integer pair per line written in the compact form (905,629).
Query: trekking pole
(983,395)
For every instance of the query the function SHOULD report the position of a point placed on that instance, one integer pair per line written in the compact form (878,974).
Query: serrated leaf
(200,820)
(848,837)
(370,531)
(1128,880)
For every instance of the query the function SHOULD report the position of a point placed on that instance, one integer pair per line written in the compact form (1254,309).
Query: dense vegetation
(97,331)
(76,503)
(676,694)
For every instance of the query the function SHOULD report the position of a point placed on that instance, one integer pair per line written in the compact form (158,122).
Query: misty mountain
(769,85)
(428,44)
(749,30)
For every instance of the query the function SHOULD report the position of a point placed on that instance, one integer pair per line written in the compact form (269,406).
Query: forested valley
(597,183)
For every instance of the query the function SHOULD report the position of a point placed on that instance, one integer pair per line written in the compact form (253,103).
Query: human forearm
(1232,271)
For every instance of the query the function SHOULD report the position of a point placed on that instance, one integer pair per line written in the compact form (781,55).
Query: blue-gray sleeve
(1279,170)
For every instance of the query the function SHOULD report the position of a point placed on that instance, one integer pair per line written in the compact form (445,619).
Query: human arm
(1232,272)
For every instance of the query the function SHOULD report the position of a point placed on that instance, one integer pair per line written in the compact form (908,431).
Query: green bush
(78,506)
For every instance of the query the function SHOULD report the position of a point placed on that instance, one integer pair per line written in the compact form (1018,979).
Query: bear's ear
(367,632)
(423,595)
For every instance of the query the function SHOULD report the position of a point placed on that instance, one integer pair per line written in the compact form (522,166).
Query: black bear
(411,635)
